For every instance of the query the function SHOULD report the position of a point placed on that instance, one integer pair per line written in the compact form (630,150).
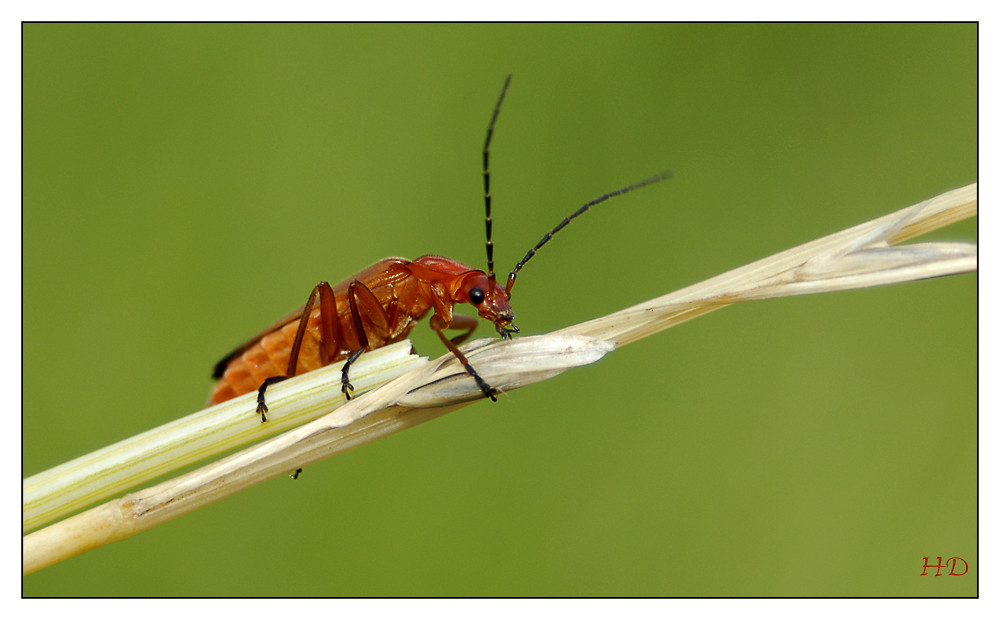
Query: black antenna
(666,174)
(486,183)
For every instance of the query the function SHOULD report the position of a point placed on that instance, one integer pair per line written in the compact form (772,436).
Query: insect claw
(262,409)
(488,390)
(346,388)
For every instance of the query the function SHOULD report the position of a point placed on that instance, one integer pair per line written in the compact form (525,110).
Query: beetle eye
(476,296)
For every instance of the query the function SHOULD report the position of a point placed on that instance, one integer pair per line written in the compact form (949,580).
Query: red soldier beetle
(380,306)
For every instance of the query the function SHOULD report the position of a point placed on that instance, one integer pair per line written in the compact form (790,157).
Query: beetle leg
(462,321)
(329,336)
(345,382)
(437,324)
(360,298)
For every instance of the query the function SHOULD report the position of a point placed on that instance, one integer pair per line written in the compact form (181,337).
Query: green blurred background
(184,185)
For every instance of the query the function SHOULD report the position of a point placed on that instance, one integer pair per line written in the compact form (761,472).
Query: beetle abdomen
(269,358)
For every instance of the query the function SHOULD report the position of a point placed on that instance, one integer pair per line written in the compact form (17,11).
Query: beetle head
(491,301)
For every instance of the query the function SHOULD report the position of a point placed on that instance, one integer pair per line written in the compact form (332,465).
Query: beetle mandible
(380,306)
